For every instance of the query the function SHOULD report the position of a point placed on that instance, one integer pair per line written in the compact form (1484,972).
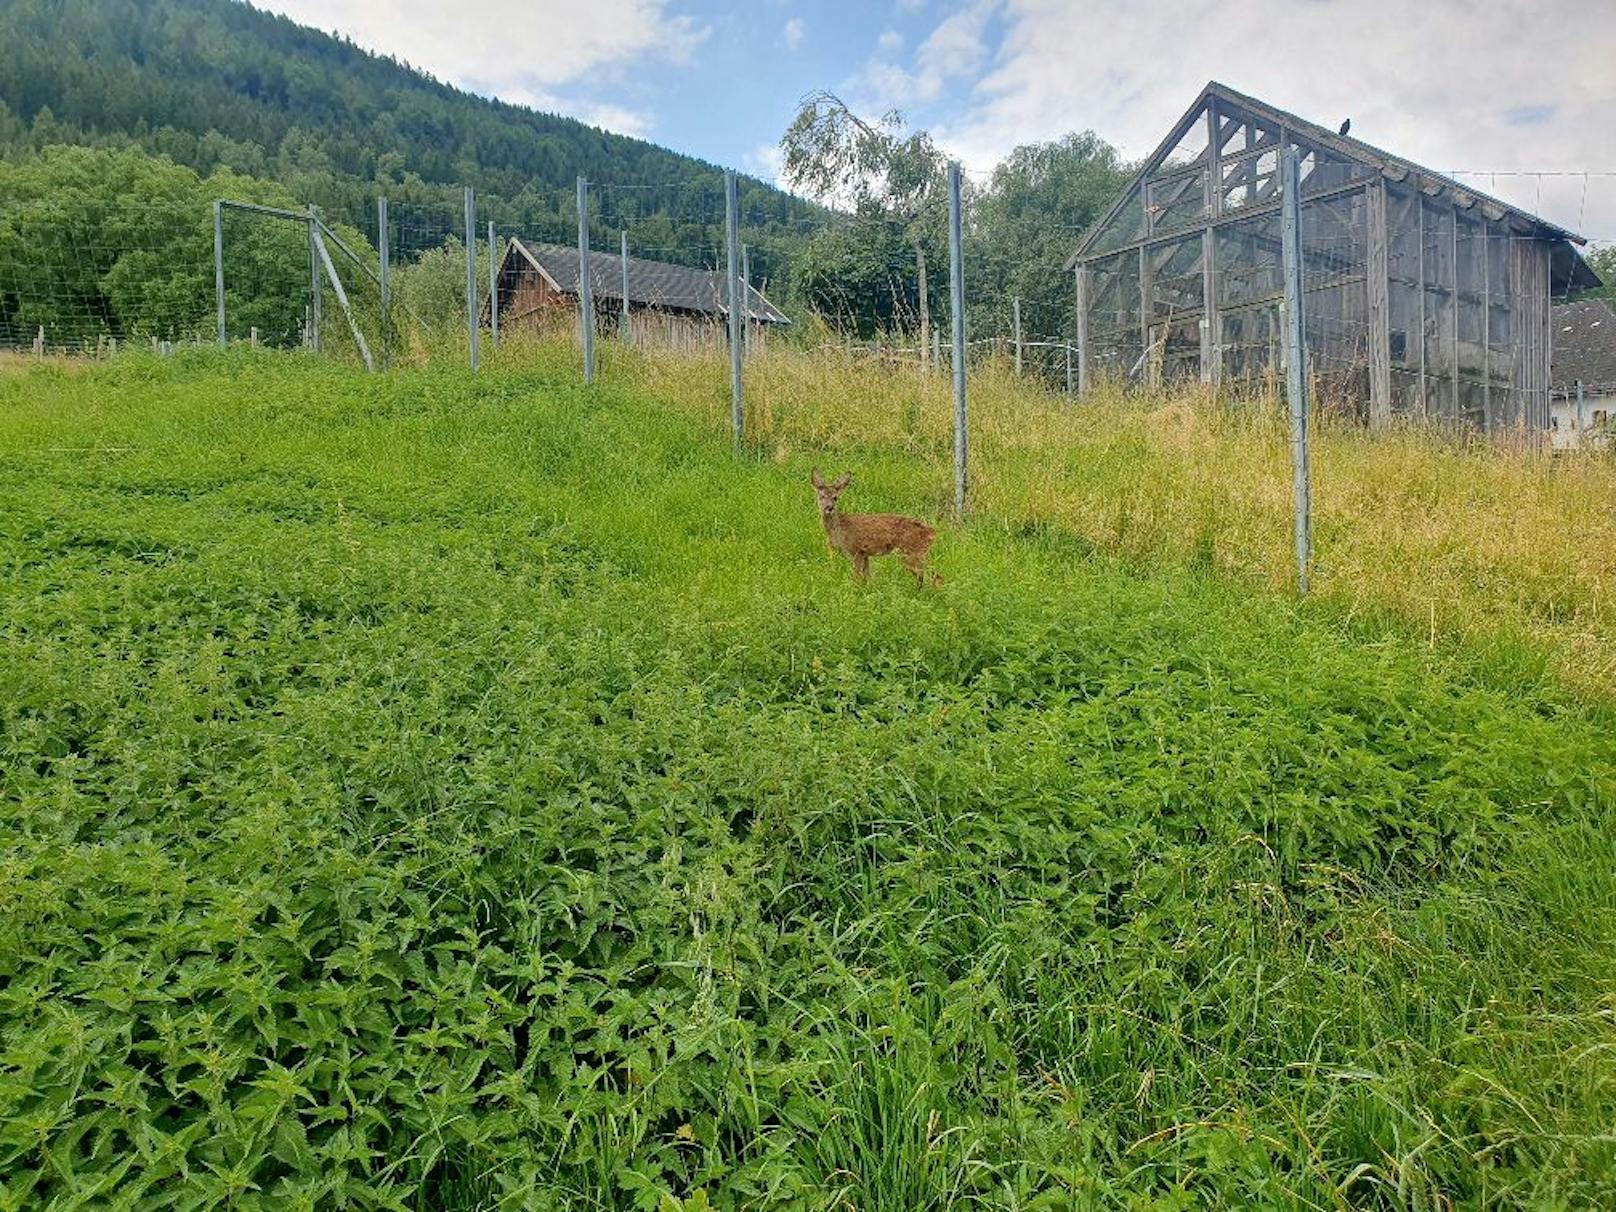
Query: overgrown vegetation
(425,791)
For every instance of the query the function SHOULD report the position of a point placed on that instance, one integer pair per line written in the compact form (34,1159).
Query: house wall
(1585,420)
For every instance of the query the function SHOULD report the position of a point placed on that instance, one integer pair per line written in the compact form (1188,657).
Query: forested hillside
(216,84)
(252,106)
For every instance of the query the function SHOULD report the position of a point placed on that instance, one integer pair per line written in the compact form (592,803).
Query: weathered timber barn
(1422,298)
(668,305)
(1582,407)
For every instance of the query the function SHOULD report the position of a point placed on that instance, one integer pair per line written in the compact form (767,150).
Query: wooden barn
(1423,297)
(669,306)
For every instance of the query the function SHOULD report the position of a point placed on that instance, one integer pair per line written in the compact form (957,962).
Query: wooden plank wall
(1529,263)
(533,306)
(1380,332)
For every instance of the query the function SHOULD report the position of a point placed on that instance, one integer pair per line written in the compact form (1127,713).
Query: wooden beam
(1270,207)
(1144,310)
(1211,316)
(1380,334)
(1419,228)
(1083,359)
(1453,228)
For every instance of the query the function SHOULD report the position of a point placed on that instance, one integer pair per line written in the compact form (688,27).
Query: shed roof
(1584,344)
(650,283)
(1569,272)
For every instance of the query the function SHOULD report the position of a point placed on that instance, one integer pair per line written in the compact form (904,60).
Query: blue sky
(1518,94)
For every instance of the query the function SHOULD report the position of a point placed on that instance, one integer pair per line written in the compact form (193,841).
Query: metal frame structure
(1424,298)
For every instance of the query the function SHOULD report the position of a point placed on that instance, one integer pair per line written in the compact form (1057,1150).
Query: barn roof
(1584,344)
(650,283)
(1569,272)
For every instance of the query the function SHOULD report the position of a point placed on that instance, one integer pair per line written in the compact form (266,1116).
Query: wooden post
(1453,298)
(1147,374)
(1211,328)
(1419,213)
(1083,356)
(1487,322)
(1379,286)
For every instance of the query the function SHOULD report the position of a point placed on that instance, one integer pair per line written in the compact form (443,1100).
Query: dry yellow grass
(1457,539)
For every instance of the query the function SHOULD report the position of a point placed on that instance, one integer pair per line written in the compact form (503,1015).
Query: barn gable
(1171,190)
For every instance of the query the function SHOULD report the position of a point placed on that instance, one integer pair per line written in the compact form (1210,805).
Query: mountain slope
(216,83)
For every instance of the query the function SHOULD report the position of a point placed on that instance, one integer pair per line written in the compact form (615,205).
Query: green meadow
(424,791)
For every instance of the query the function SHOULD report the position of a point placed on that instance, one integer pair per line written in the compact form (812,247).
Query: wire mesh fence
(85,272)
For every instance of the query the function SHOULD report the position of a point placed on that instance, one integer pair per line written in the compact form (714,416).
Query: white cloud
(956,48)
(795,31)
(604,114)
(1449,84)
(765,161)
(890,41)
(509,50)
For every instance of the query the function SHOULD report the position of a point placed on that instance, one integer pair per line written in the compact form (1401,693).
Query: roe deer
(859,536)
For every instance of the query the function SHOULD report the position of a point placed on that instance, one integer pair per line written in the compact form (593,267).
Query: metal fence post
(471,275)
(1015,305)
(956,294)
(732,241)
(1296,358)
(316,287)
(385,279)
(1580,422)
(218,264)
(626,324)
(586,289)
(493,285)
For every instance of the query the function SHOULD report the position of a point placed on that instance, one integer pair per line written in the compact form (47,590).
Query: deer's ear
(813,477)
(843,482)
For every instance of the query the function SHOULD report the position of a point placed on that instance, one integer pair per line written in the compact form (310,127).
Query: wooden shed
(668,305)
(1423,297)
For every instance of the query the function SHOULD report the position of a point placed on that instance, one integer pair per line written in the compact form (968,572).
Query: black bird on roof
(1345,127)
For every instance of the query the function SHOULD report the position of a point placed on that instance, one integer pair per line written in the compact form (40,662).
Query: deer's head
(827,493)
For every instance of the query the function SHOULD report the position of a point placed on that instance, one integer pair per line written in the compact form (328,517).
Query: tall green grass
(429,792)
(1485,542)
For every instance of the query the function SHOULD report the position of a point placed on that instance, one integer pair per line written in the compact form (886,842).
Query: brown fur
(859,536)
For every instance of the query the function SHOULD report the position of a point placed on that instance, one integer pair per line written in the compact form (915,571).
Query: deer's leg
(861,566)
(915,562)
